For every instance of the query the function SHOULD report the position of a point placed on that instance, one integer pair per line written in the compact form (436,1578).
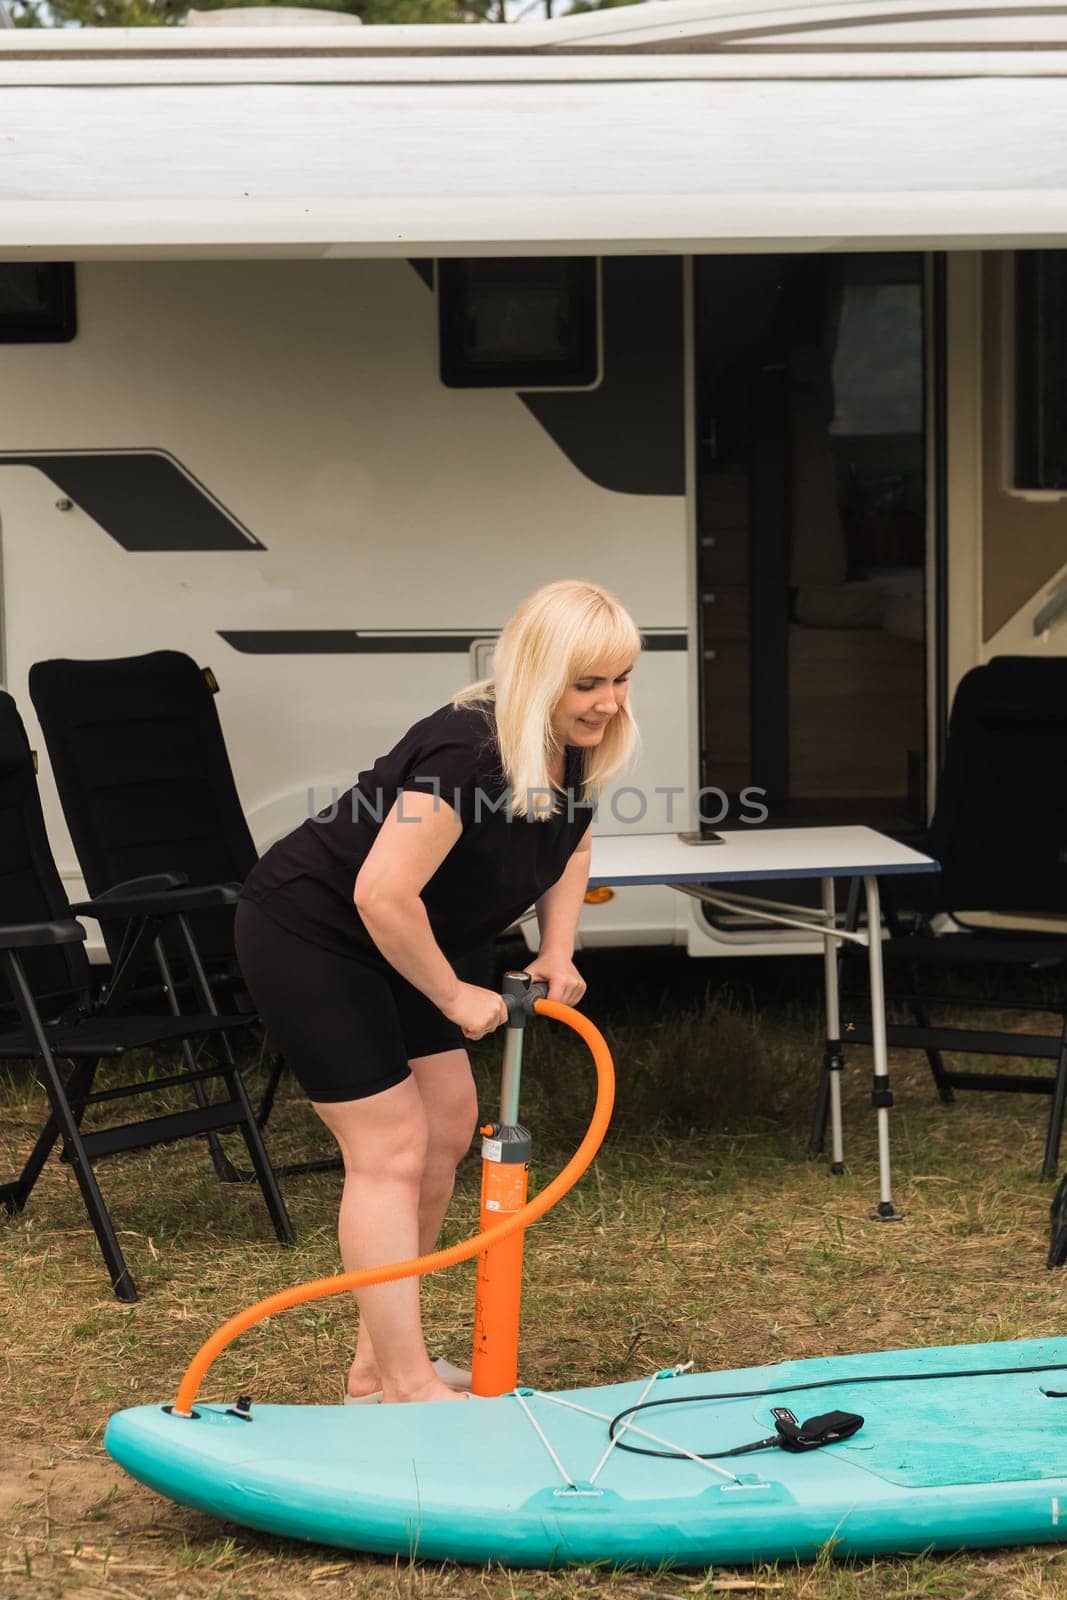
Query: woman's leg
(450,1101)
(337,1022)
(384,1141)
(446,1086)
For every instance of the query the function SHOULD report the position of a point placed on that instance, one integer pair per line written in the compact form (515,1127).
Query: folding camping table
(753,855)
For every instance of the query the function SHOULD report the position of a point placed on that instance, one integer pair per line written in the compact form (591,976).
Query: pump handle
(520,992)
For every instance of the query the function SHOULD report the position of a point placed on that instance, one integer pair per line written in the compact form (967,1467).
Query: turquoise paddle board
(942,1461)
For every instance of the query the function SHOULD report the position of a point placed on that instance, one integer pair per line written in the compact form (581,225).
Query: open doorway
(811,522)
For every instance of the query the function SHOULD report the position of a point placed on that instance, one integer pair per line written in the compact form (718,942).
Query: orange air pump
(482,1242)
(506,1151)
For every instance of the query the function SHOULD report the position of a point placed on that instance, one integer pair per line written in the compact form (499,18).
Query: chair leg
(291,1169)
(257,1150)
(1055,1116)
(110,1249)
(224,1167)
(946,1093)
(207,1000)
(266,1105)
(820,1115)
(14,1195)
(68,1125)
(257,1154)
(249,1127)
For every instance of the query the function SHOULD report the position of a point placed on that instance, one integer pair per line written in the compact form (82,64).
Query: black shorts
(347,1029)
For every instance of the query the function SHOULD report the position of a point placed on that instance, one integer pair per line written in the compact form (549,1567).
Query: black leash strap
(817,1431)
(791,1434)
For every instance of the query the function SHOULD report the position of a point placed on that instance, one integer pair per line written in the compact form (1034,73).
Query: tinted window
(518,323)
(1041,369)
(36,302)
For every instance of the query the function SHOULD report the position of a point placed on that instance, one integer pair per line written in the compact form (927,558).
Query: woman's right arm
(406,853)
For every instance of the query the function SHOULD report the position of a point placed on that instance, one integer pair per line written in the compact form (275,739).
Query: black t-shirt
(498,867)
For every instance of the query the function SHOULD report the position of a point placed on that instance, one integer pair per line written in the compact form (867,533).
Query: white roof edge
(200,72)
(655,25)
(644,224)
(622,164)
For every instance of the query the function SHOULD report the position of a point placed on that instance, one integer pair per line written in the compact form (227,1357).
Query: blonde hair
(552,640)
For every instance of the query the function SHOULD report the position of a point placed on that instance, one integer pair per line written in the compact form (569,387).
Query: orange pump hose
(319,1288)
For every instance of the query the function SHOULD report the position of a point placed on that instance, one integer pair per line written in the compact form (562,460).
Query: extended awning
(587,157)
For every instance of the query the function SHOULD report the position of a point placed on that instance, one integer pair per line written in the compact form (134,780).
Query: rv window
(518,323)
(36,302)
(1041,369)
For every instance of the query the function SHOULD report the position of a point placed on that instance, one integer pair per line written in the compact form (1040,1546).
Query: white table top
(751,854)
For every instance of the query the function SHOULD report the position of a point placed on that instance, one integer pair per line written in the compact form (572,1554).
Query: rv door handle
(1052,610)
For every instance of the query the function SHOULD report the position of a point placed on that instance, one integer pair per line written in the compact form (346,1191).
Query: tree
(163,13)
(597,5)
(95,13)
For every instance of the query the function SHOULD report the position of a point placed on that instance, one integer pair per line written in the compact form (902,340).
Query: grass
(702,1233)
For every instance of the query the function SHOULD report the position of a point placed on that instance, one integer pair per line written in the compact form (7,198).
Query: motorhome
(322,346)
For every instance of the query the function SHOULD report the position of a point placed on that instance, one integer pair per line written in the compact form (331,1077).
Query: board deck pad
(941,1462)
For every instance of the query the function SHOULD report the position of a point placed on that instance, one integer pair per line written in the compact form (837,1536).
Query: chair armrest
(153,884)
(167,903)
(23,935)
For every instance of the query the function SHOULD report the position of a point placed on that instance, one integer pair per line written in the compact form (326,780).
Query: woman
(347,928)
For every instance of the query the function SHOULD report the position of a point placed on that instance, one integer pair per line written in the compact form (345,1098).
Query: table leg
(881,1094)
(833,1061)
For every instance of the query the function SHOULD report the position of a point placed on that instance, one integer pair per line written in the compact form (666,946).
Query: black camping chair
(58,1020)
(1000,833)
(145,781)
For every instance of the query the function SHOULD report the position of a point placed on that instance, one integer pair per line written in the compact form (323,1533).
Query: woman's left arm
(558,911)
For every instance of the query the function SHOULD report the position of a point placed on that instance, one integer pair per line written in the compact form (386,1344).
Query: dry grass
(702,1233)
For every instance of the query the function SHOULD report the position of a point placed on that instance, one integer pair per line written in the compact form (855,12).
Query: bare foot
(363,1380)
(432,1389)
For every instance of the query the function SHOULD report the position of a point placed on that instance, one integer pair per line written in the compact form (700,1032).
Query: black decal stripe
(350,641)
(145,499)
(341,642)
(628,434)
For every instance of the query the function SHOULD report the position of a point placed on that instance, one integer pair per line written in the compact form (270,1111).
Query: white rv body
(251,219)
